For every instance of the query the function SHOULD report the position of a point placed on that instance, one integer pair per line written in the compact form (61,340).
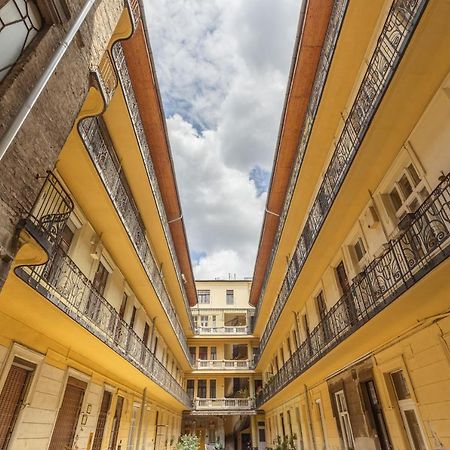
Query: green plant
(286,443)
(188,442)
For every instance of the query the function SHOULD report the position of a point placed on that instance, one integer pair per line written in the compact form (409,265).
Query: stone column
(254,429)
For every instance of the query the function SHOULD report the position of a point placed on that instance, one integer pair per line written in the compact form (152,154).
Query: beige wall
(218,290)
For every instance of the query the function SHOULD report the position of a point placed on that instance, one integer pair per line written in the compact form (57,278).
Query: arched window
(20,22)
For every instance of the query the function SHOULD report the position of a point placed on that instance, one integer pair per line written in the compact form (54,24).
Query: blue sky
(222,67)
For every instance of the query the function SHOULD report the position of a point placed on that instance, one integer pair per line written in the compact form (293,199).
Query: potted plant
(188,442)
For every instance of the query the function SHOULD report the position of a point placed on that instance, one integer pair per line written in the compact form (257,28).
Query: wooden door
(11,401)
(101,421)
(69,412)
(116,424)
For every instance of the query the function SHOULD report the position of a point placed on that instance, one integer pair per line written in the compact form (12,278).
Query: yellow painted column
(254,429)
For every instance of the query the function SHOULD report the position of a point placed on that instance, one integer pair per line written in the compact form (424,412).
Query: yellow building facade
(357,262)
(94,313)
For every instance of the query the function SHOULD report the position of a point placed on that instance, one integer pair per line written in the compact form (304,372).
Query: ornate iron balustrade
(49,213)
(103,157)
(62,282)
(392,42)
(421,247)
(224,364)
(135,12)
(234,404)
(326,56)
(133,110)
(106,78)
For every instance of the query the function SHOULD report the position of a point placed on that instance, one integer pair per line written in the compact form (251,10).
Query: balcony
(103,156)
(392,42)
(119,61)
(50,213)
(211,330)
(223,364)
(225,406)
(61,282)
(423,245)
(222,321)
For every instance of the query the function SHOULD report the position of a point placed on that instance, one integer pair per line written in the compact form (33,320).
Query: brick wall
(38,143)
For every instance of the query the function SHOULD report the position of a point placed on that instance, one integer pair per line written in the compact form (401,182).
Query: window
(377,415)
(132,429)
(204,321)
(101,421)
(344,420)
(190,388)
(204,296)
(203,353)
(342,278)
(115,424)
(99,286)
(213,353)
(212,389)
(133,317)
(408,411)
(201,388)
(359,250)
(407,193)
(230,297)
(192,352)
(20,23)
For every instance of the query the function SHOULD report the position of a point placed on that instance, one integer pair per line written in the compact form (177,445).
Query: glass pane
(405,186)
(414,430)
(414,175)
(20,22)
(400,386)
(424,193)
(414,205)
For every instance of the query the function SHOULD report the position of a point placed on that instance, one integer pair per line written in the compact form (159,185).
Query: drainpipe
(310,426)
(141,419)
(7,139)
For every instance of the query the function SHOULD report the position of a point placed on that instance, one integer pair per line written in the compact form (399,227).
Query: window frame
(344,419)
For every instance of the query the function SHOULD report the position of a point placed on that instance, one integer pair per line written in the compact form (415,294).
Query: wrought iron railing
(390,47)
(133,109)
(104,159)
(326,56)
(106,77)
(62,282)
(50,212)
(423,245)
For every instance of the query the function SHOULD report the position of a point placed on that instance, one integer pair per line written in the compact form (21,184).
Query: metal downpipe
(9,135)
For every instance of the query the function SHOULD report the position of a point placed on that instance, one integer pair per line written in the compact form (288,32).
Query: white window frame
(344,419)
(416,194)
(408,405)
(204,294)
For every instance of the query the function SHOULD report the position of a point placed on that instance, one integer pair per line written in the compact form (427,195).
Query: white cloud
(222,68)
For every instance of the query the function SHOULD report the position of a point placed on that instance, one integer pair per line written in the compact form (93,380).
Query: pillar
(254,430)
